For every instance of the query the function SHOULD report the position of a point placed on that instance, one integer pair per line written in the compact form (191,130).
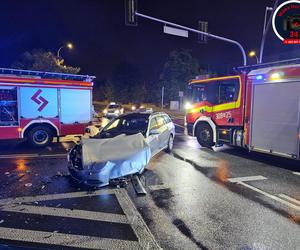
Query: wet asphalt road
(194,201)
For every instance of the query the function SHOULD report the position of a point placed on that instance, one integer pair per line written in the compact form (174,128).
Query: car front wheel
(170,144)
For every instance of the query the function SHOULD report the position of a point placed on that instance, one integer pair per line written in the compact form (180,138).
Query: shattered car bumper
(98,164)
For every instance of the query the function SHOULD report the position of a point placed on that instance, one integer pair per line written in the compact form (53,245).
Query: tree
(41,60)
(108,91)
(128,85)
(179,68)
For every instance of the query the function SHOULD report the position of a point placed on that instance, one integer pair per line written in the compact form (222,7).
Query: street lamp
(265,29)
(68,45)
(253,54)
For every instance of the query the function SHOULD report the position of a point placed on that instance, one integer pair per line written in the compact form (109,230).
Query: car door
(153,136)
(164,133)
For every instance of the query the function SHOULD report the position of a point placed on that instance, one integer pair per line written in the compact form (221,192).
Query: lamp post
(265,29)
(68,45)
(253,54)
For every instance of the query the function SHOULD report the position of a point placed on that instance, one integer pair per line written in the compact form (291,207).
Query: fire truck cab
(258,109)
(38,106)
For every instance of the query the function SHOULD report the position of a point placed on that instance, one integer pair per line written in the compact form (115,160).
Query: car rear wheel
(170,144)
(205,136)
(40,136)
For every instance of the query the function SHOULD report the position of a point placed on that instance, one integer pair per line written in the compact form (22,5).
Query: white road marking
(158,187)
(270,196)
(289,199)
(296,173)
(131,217)
(247,178)
(63,212)
(178,125)
(27,199)
(146,239)
(68,240)
(16,156)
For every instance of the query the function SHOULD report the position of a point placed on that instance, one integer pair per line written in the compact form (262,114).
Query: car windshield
(125,125)
(114,106)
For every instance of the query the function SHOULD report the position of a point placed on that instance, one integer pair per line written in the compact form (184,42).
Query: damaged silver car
(122,148)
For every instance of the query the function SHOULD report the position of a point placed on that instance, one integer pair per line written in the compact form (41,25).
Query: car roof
(143,114)
(136,114)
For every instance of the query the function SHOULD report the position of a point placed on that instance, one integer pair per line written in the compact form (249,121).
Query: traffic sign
(176,32)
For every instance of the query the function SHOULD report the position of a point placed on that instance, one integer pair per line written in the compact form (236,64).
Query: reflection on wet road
(197,198)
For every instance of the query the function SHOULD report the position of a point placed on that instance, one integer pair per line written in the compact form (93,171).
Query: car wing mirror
(153,132)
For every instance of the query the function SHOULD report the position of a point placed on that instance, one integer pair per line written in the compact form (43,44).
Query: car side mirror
(153,132)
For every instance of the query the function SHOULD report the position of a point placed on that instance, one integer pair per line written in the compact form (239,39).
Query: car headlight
(133,108)
(105,111)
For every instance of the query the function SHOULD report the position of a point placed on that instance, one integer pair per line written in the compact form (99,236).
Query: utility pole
(162,97)
(266,29)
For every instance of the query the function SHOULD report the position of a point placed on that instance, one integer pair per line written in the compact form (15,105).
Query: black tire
(204,135)
(40,136)
(170,144)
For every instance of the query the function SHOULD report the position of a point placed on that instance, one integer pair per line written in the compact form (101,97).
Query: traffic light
(130,9)
(202,26)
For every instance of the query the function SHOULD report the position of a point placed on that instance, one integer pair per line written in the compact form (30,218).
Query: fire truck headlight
(187,105)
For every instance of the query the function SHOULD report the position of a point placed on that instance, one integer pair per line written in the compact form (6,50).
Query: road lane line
(270,196)
(27,199)
(247,178)
(9,156)
(289,199)
(143,233)
(296,173)
(67,240)
(178,125)
(63,212)
(16,156)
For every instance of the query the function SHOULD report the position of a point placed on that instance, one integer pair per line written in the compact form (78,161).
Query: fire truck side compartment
(275,118)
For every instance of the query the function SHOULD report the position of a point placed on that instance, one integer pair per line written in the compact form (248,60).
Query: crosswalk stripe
(146,239)
(63,212)
(54,196)
(68,240)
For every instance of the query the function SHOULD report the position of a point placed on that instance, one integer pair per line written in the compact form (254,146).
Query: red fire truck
(38,106)
(258,109)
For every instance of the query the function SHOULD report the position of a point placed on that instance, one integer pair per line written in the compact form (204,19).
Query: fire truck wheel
(40,136)
(205,135)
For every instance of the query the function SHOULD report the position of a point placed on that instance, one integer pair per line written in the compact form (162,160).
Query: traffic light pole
(198,32)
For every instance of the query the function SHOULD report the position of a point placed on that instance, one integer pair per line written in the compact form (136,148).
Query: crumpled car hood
(106,159)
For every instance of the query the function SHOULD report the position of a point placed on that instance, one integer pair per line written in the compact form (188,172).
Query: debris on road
(28,185)
(138,187)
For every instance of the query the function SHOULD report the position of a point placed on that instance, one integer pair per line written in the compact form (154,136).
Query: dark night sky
(96,27)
